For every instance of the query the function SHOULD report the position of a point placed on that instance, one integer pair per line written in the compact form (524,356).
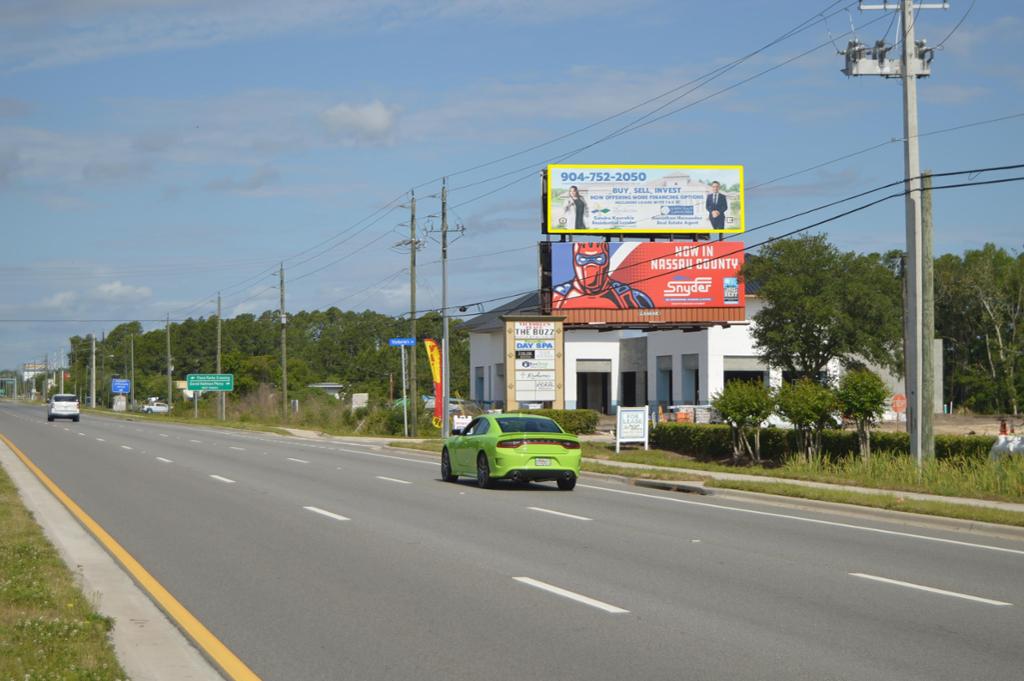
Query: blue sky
(154,152)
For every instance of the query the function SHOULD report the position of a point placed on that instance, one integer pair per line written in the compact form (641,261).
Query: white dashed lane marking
(571,595)
(402,482)
(322,512)
(222,479)
(930,589)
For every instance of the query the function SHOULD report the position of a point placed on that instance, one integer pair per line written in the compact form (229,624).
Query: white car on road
(63,407)
(156,408)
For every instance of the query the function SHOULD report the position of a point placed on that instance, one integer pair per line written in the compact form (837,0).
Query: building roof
(490,321)
(530,304)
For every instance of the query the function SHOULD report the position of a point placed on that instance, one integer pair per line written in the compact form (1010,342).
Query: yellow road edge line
(229,663)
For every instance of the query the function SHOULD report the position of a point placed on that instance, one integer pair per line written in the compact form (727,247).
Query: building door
(593,384)
(629,398)
(663,380)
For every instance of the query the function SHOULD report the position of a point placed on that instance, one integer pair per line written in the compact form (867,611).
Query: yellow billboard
(644,199)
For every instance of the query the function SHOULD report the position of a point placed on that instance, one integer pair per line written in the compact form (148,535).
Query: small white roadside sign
(632,425)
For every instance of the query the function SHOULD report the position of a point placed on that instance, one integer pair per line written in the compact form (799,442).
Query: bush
(577,421)
(745,406)
(715,441)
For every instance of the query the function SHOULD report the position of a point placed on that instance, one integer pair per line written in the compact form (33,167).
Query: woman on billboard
(575,214)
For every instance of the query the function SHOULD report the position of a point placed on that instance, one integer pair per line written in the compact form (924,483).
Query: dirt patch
(963,424)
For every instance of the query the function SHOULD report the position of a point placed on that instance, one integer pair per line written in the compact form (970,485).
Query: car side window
(471,427)
(482,427)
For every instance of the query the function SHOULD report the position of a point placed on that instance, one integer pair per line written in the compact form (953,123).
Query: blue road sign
(402,342)
(120,386)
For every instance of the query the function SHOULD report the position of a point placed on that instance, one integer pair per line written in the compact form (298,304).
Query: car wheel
(446,467)
(75,419)
(567,483)
(50,419)
(483,471)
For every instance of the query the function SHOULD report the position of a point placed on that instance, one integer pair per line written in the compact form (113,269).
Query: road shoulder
(148,645)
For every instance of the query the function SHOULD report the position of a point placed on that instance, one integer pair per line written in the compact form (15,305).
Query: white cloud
(115,291)
(356,124)
(60,300)
(48,33)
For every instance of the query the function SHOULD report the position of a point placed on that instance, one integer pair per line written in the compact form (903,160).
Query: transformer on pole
(913,63)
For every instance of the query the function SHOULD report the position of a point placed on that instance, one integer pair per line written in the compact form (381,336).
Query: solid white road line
(160,458)
(125,447)
(403,482)
(813,521)
(321,511)
(929,589)
(198,442)
(222,479)
(572,595)
(564,515)
(237,449)
(297,460)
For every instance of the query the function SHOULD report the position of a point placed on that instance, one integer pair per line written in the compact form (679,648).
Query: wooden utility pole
(170,393)
(284,351)
(92,371)
(220,396)
(132,353)
(445,376)
(413,396)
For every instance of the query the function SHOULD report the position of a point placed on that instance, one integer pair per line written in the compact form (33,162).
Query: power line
(962,19)
(973,171)
(633,126)
(799,28)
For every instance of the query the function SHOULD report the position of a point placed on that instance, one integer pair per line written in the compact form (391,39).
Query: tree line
(824,305)
(346,347)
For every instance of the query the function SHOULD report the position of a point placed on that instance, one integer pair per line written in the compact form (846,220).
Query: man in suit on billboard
(716,206)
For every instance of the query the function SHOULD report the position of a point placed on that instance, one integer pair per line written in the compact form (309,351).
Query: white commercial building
(630,367)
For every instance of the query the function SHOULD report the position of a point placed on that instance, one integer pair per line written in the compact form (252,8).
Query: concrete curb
(908,518)
(148,645)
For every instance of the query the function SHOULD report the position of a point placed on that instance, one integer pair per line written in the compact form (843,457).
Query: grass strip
(188,421)
(48,629)
(884,501)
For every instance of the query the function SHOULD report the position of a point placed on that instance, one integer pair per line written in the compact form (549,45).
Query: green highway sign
(211,382)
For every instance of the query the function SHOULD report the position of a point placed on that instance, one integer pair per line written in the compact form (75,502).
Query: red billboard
(646,282)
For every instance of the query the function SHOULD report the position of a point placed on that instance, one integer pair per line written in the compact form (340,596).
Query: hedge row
(572,420)
(715,441)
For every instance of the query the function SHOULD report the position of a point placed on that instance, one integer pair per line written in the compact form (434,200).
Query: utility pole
(220,396)
(445,378)
(61,369)
(92,371)
(413,244)
(284,350)
(170,395)
(132,377)
(927,322)
(914,63)
(46,376)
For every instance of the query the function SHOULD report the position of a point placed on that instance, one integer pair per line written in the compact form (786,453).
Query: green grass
(48,630)
(425,446)
(885,501)
(188,420)
(961,477)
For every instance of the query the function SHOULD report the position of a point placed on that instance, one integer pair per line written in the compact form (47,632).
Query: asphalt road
(326,560)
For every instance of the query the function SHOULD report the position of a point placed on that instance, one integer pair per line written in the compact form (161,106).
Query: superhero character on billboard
(592,285)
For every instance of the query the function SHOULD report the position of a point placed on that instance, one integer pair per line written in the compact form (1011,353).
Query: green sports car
(517,447)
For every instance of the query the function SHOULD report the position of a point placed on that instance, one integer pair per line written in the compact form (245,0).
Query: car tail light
(511,444)
(571,445)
